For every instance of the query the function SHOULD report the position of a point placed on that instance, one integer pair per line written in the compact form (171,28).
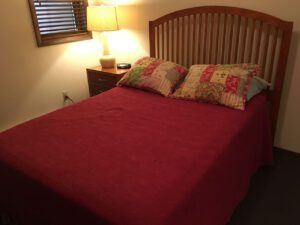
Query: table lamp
(103,19)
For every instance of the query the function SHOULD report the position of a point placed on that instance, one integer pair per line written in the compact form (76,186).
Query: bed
(130,157)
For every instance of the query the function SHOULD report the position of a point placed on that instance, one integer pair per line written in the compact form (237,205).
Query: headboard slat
(194,38)
(173,40)
(237,38)
(265,51)
(258,43)
(211,33)
(274,44)
(168,41)
(224,38)
(199,38)
(252,34)
(217,38)
(163,40)
(188,40)
(231,26)
(243,45)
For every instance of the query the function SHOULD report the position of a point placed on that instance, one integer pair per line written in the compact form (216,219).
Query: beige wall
(32,78)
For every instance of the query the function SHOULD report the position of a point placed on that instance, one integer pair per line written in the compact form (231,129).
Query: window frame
(57,38)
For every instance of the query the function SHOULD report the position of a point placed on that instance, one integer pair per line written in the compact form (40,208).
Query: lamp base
(107,61)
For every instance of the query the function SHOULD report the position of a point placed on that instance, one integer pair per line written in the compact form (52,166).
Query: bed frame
(220,34)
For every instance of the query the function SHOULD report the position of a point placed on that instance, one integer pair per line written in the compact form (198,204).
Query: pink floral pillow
(154,75)
(218,84)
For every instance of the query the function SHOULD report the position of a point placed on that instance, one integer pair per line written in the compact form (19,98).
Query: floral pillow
(154,75)
(219,84)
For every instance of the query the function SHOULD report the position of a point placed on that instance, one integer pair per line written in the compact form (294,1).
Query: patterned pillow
(219,84)
(154,75)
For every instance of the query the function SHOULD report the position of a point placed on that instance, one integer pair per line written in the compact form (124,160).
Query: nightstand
(102,79)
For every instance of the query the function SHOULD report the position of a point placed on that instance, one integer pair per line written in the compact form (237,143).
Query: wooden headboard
(220,34)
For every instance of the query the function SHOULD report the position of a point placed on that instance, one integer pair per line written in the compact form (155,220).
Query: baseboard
(286,151)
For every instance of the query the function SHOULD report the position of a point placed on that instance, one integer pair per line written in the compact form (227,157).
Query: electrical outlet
(65,94)
(67,100)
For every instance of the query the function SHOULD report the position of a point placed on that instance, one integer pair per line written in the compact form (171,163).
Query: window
(59,21)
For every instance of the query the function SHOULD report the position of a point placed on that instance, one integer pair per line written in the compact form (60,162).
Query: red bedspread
(128,157)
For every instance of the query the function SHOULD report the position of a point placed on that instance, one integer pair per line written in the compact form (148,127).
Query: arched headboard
(221,34)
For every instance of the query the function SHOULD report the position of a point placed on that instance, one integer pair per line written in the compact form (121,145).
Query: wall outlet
(65,94)
(67,100)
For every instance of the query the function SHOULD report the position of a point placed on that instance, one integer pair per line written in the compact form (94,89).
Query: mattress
(130,157)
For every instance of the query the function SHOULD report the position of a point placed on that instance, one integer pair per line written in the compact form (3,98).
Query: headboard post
(281,70)
(152,38)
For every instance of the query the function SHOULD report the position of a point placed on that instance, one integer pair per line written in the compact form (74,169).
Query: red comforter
(128,157)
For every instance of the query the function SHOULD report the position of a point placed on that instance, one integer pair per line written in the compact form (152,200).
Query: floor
(274,194)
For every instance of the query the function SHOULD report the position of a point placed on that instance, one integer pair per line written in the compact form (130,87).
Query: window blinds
(59,21)
(60,16)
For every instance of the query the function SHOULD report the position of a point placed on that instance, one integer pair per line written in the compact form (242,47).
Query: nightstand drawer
(96,88)
(101,78)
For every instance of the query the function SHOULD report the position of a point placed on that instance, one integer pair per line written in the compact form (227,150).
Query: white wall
(32,78)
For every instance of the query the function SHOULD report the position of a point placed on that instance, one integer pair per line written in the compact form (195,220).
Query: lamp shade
(102,18)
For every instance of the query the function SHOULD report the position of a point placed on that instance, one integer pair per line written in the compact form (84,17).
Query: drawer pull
(102,79)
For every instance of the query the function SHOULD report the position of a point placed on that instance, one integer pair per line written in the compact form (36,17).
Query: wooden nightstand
(103,79)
